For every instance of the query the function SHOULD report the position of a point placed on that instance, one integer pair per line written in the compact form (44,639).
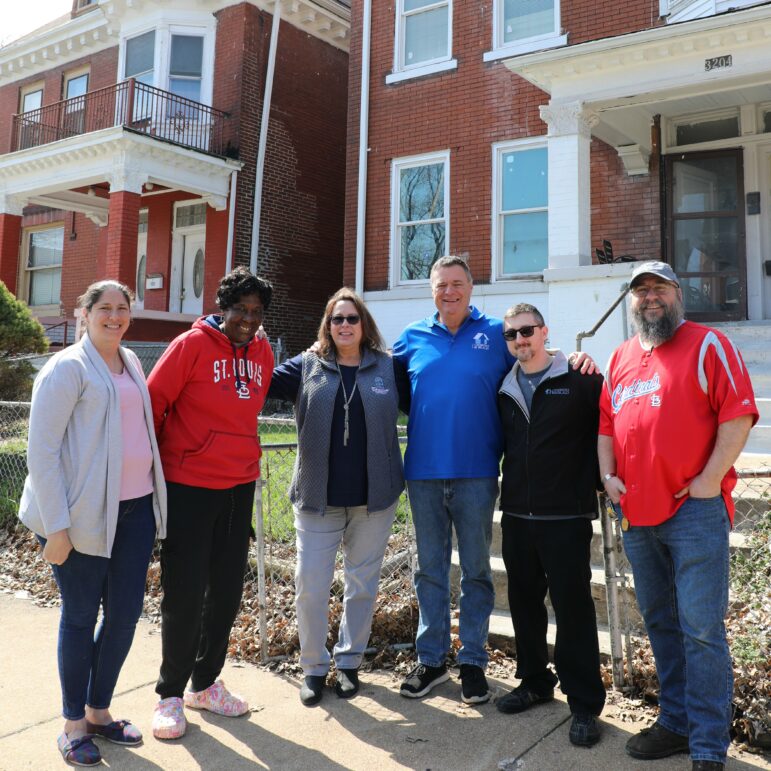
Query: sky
(19,18)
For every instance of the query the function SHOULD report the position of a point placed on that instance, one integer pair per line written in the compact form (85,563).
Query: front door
(191,294)
(705,233)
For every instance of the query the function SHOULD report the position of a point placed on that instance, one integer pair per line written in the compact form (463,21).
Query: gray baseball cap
(654,268)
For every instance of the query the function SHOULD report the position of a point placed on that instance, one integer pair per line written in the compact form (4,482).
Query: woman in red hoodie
(207,390)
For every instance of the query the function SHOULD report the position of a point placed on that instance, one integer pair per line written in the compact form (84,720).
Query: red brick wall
(103,72)
(465,111)
(122,231)
(10,235)
(301,233)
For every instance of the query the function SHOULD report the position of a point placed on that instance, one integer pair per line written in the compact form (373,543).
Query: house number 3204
(718,62)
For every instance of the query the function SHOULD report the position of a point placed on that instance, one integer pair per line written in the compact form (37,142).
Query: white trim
(419,72)
(413,161)
(423,67)
(496,236)
(525,47)
(361,188)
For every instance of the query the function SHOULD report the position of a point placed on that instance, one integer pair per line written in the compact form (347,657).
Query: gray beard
(662,329)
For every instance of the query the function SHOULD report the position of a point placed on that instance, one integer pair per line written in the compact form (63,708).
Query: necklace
(346,404)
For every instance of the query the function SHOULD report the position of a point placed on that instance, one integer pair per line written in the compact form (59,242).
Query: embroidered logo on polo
(637,388)
(558,391)
(378,387)
(481,342)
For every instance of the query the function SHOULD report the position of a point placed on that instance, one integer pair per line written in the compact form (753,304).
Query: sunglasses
(529,331)
(352,319)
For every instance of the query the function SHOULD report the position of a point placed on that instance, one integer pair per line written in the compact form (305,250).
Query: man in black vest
(550,416)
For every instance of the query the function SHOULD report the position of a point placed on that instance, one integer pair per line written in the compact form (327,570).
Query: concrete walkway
(376,730)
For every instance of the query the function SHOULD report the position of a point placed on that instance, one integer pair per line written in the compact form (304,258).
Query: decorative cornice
(634,158)
(569,119)
(595,59)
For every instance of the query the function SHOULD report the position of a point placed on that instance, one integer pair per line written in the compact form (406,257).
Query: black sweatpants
(541,554)
(203,559)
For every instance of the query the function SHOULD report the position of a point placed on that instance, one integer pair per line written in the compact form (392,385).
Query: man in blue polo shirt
(455,361)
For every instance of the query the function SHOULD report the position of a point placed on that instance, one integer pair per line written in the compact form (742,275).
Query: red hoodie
(206,395)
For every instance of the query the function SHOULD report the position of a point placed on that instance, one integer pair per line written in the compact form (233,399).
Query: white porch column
(570,127)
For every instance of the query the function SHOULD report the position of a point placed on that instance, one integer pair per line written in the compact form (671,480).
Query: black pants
(203,559)
(555,555)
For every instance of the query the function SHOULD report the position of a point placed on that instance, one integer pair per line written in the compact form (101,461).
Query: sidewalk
(376,730)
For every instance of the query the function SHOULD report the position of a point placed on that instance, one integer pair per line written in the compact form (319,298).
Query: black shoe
(520,699)
(707,765)
(656,742)
(347,683)
(312,690)
(422,679)
(584,730)
(473,684)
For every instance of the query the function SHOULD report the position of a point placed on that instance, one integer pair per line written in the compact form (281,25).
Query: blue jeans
(89,664)
(437,505)
(681,581)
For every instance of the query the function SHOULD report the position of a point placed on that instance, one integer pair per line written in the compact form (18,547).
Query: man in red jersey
(675,413)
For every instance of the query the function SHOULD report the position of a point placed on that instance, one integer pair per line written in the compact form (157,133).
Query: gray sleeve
(54,396)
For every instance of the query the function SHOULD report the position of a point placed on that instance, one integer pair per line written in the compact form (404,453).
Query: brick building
(130,145)
(524,134)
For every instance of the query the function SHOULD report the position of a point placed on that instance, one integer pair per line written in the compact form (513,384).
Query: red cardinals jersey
(663,407)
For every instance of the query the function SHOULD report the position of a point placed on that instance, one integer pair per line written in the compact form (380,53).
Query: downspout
(260,172)
(361,202)
(231,221)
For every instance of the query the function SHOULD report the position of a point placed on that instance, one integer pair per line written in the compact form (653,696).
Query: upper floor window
(423,43)
(520,26)
(31,99)
(521,201)
(177,59)
(419,214)
(43,266)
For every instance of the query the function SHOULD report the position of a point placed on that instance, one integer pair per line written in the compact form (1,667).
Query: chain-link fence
(14,419)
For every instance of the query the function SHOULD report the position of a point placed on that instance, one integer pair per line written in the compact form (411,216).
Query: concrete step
(501,635)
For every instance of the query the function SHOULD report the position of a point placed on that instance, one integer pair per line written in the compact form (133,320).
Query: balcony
(132,105)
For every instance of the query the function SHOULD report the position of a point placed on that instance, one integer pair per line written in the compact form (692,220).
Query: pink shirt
(136,478)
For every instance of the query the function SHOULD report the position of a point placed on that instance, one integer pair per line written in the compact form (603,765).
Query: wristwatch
(608,477)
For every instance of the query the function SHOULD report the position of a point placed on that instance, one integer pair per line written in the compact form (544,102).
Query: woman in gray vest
(347,480)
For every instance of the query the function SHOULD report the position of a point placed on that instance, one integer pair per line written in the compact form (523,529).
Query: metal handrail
(593,331)
(134,105)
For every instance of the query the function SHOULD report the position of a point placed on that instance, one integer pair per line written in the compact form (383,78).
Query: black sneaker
(347,683)
(520,699)
(584,730)
(656,742)
(312,690)
(422,679)
(473,684)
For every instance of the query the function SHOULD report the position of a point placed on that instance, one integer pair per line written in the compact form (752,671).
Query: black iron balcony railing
(131,104)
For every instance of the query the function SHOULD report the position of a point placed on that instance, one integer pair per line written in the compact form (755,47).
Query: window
(521,198)
(520,26)
(44,266)
(30,128)
(423,43)
(186,66)
(140,58)
(419,207)
(75,88)
(705,128)
(187,216)
(32,99)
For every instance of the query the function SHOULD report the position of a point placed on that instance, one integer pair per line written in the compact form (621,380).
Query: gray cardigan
(314,406)
(75,450)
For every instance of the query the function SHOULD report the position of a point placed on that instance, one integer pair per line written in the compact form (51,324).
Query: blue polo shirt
(454,430)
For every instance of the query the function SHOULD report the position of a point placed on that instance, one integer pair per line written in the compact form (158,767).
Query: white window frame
(496,236)
(33,88)
(402,70)
(52,309)
(502,50)
(165,25)
(397,164)
(671,125)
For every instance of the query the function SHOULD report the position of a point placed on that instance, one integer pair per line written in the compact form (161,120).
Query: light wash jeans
(364,537)
(437,505)
(681,581)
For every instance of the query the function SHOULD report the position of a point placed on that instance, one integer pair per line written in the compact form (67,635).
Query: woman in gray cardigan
(347,480)
(95,497)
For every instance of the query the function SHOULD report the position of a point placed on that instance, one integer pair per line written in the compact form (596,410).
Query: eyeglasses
(352,319)
(528,331)
(658,289)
